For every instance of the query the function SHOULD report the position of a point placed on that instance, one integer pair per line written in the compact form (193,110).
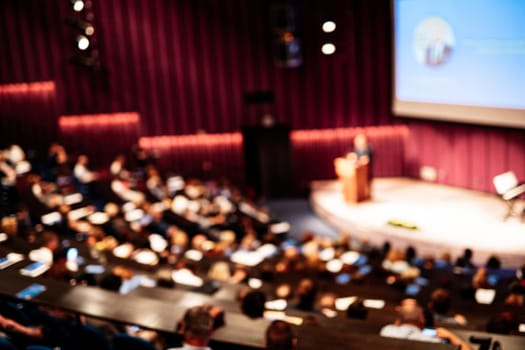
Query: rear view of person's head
(197,326)
(306,292)
(357,310)
(409,312)
(280,336)
(440,301)
(252,304)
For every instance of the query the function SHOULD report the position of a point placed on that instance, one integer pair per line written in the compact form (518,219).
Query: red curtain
(185,65)
(100,136)
(28,116)
(465,155)
(204,156)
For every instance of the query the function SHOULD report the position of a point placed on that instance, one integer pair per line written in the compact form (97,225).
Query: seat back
(5,344)
(505,182)
(126,342)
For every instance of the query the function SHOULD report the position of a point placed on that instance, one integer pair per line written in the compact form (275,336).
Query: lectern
(354,178)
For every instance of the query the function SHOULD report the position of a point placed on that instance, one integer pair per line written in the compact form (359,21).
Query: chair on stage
(509,189)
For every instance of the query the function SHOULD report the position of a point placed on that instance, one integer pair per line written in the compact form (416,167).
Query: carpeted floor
(299,213)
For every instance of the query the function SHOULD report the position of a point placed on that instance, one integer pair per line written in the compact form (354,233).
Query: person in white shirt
(196,327)
(82,172)
(409,325)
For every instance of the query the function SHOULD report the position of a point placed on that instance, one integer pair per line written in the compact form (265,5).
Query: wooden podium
(354,177)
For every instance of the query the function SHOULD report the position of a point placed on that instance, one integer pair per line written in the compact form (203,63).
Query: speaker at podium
(353,176)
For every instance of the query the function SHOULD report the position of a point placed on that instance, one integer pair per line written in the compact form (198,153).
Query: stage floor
(448,219)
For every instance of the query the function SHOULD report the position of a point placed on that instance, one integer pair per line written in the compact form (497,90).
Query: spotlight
(328,48)
(328,26)
(78,5)
(84,27)
(89,30)
(82,42)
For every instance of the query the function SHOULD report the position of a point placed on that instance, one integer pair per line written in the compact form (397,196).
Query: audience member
(57,162)
(505,322)
(516,295)
(10,326)
(280,336)
(81,171)
(196,328)
(493,263)
(117,168)
(409,325)
(357,310)
(220,271)
(225,222)
(45,254)
(465,261)
(438,309)
(252,304)
(306,293)
(480,279)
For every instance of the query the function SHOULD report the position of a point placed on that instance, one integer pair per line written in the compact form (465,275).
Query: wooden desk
(129,309)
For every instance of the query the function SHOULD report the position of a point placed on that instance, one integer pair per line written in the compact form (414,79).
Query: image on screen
(460,61)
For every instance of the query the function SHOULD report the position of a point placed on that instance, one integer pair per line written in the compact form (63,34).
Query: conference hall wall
(184,67)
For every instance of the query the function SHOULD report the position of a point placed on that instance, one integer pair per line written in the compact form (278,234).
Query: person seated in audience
(81,171)
(280,336)
(11,326)
(493,263)
(283,291)
(25,226)
(196,328)
(253,304)
(86,178)
(519,277)
(155,184)
(179,240)
(481,279)
(121,186)
(8,199)
(306,293)
(505,322)
(438,309)
(7,171)
(142,160)
(56,163)
(357,310)
(37,325)
(399,269)
(45,254)
(465,261)
(17,159)
(409,325)
(45,192)
(117,167)
(516,295)
(220,271)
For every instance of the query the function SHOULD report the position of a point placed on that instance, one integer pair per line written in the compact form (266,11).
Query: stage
(447,219)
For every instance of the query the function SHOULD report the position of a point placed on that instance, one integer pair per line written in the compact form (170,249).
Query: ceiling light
(328,48)
(328,26)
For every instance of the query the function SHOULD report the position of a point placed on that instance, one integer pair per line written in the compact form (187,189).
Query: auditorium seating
(158,309)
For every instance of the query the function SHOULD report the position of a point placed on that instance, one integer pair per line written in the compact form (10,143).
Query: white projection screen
(460,60)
